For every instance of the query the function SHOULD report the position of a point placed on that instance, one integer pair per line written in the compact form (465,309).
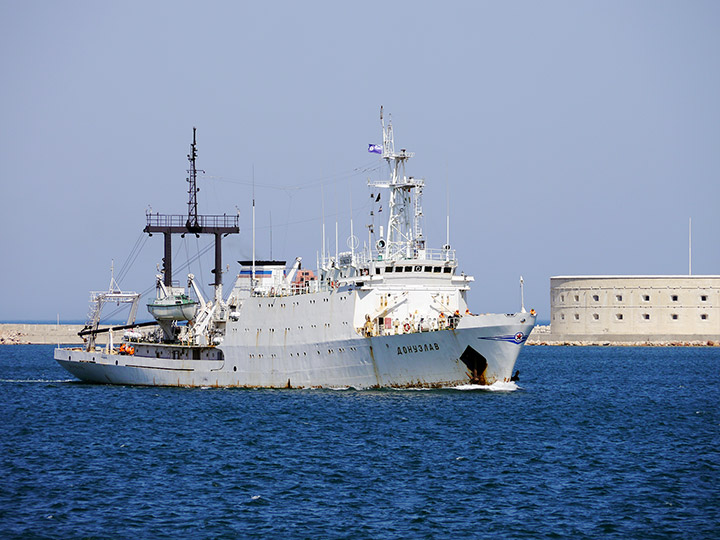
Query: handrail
(178,220)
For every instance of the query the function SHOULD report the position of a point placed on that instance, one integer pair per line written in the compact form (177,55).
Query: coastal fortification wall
(635,309)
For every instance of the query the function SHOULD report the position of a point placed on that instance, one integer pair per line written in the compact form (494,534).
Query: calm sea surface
(594,443)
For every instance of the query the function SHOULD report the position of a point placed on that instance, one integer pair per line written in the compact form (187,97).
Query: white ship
(391,315)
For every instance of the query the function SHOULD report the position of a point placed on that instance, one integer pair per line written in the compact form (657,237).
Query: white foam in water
(499,386)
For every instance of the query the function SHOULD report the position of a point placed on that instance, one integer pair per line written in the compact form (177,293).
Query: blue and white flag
(374,148)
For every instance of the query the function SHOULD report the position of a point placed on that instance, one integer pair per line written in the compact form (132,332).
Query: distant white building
(635,308)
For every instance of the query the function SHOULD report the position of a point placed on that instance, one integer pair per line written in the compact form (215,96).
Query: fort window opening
(674,298)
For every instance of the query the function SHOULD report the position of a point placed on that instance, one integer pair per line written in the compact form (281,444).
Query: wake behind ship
(392,315)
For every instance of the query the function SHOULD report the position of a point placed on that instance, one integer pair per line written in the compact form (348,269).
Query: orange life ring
(130,350)
(406,327)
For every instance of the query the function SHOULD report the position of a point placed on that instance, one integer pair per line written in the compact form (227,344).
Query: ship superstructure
(394,314)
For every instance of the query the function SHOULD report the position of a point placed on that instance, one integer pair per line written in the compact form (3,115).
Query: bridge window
(447,270)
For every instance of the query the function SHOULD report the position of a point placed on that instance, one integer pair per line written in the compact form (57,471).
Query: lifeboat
(177,307)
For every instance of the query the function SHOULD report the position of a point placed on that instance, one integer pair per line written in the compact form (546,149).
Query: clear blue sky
(574,137)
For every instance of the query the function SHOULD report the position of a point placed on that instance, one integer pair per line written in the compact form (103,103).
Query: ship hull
(482,350)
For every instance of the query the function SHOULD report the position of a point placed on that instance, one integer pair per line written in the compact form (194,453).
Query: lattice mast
(192,220)
(404,230)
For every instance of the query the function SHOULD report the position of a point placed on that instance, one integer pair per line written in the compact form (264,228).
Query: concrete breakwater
(46,334)
(67,334)
(543,335)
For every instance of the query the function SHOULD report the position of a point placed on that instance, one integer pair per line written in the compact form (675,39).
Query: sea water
(591,443)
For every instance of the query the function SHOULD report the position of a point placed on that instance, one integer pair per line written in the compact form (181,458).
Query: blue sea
(595,442)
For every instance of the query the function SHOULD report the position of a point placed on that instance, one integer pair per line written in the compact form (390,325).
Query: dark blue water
(596,443)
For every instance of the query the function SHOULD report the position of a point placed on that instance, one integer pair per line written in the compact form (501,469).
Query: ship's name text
(423,347)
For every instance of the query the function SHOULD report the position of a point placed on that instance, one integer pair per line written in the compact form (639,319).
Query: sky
(564,137)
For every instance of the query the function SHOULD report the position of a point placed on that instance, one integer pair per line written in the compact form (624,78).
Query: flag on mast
(374,148)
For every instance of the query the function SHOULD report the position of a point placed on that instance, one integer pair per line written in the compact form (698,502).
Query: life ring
(130,350)
(406,327)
